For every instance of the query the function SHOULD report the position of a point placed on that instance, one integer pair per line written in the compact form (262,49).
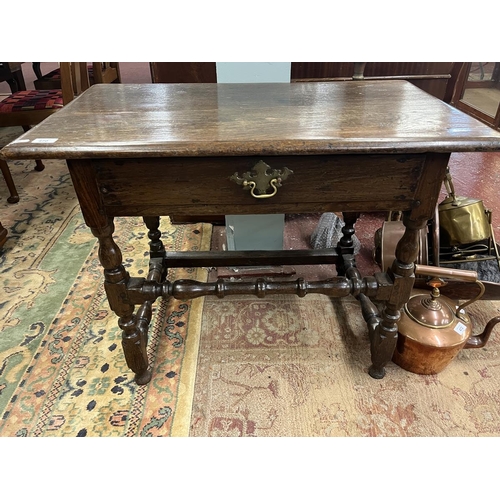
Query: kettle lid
(434,320)
(429,311)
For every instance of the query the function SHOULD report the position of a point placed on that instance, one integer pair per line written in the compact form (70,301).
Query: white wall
(253,72)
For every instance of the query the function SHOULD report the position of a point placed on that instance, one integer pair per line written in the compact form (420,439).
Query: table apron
(319,183)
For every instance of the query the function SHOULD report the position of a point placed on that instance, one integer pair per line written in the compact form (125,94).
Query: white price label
(460,328)
(43,141)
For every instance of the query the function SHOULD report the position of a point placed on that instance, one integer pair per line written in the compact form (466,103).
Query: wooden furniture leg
(157,267)
(39,165)
(384,336)
(134,327)
(14,196)
(155,244)
(346,243)
(16,82)
(37,70)
(3,235)
(116,278)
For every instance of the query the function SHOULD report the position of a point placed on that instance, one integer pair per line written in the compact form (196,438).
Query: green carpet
(62,370)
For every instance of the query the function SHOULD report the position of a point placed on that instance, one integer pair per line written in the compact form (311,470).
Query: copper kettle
(433,329)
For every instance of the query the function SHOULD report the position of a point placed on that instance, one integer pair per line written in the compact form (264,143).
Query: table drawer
(317,183)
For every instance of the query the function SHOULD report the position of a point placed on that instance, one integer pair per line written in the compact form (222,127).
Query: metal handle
(462,274)
(260,179)
(274,183)
(442,272)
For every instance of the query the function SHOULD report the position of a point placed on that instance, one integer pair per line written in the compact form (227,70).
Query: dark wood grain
(183,72)
(436,78)
(152,150)
(251,258)
(3,235)
(159,120)
(318,183)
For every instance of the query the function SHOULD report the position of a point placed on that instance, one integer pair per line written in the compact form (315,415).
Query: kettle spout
(480,340)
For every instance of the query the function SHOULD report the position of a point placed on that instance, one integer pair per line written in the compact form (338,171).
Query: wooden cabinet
(183,72)
(433,77)
(478,92)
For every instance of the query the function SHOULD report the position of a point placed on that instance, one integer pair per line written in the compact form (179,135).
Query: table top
(159,120)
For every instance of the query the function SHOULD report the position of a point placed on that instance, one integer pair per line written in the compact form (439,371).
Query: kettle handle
(480,340)
(462,274)
(445,272)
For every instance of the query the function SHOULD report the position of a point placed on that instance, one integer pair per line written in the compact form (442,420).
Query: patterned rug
(283,366)
(62,369)
(289,366)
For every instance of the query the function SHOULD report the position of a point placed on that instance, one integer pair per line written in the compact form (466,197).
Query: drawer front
(317,183)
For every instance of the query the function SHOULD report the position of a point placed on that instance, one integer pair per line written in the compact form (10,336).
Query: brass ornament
(262,178)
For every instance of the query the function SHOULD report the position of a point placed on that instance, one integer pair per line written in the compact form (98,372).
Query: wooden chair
(99,72)
(29,107)
(12,73)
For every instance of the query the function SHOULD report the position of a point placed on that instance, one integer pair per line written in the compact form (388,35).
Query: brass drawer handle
(259,180)
(252,186)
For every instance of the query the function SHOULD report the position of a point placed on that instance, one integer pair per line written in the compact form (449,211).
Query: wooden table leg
(134,337)
(383,339)
(384,336)
(3,235)
(346,243)
(14,195)
(116,278)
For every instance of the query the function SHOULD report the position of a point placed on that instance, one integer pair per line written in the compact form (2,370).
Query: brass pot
(462,221)
(433,329)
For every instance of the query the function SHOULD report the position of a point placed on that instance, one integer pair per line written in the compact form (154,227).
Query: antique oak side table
(211,149)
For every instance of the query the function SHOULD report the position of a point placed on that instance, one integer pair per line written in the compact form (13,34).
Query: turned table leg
(134,327)
(383,339)
(157,268)
(346,243)
(116,278)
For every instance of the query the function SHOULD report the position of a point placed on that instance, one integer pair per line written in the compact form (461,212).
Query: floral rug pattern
(62,369)
(290,366)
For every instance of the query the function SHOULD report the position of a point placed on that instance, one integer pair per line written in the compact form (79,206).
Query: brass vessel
(461,220)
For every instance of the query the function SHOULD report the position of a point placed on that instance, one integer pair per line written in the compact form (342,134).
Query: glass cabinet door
(480,93)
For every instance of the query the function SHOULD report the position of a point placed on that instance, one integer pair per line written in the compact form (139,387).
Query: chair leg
(39,165)
(14,197)
(3,235)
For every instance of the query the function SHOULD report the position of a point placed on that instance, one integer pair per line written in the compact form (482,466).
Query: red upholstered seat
(28,100)
(27,108)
